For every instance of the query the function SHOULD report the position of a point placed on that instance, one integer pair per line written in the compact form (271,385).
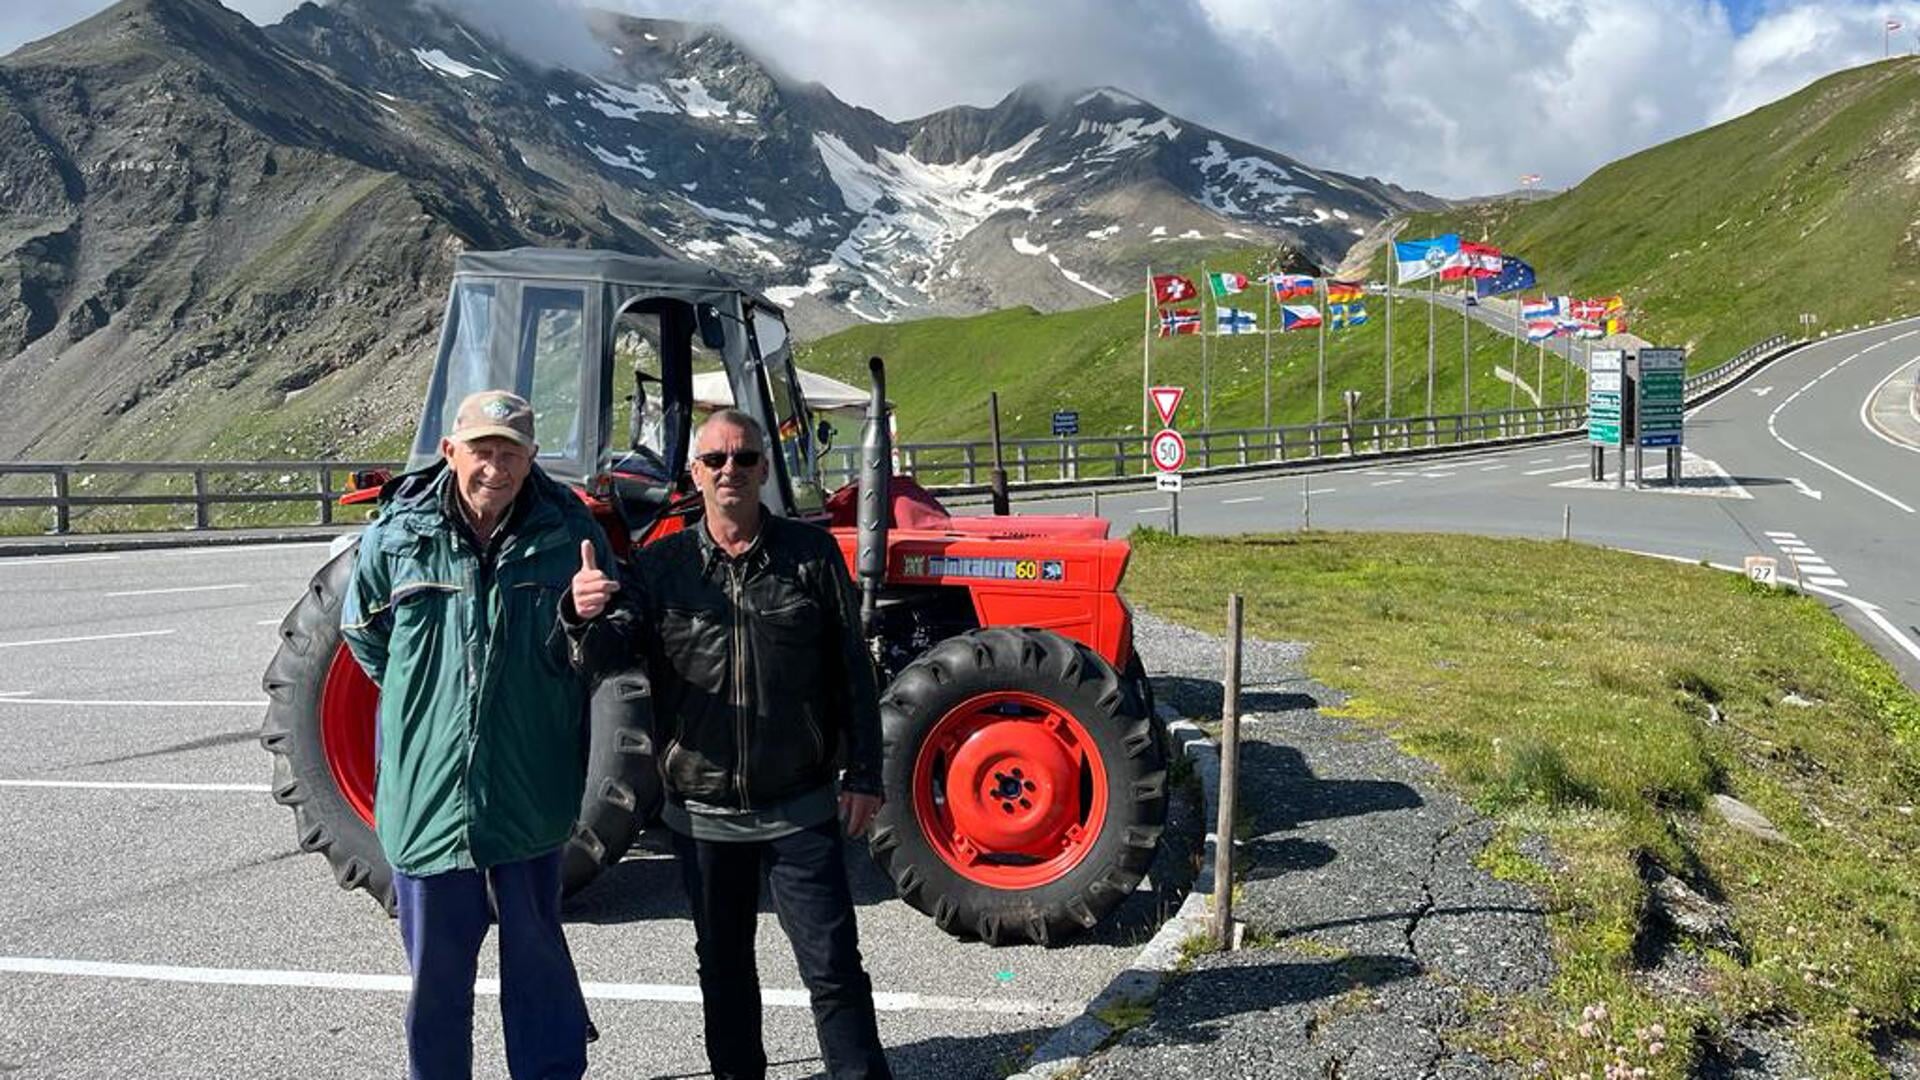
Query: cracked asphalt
(1370,922)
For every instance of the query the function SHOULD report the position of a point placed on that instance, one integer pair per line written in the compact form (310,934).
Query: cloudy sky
(1457,97)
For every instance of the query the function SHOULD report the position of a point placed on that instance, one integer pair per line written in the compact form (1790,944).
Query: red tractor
(1025,770)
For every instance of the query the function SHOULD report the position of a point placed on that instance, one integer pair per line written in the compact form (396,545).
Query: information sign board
(1066,422)
(1662,397)
(1603,397)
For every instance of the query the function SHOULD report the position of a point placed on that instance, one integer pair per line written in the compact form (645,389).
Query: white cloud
(1452,96)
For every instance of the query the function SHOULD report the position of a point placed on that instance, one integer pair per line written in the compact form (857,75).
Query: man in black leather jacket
(747,627)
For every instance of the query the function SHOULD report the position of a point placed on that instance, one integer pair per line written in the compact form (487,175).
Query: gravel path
(1371,922)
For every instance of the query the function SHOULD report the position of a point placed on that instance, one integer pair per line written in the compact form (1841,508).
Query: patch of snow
(1110,94)
(633,160)
(705,249)
(727,216)
(1158,230)
(1343,215)
(1357,231)
(649,37)
(693,186)
(617,50)
(623,104)
(1102,234)
(1251,178)
(803,227)
(1026,247)
(1123,135)
(819,279)
(702,105)
(555,99)
(1320,215)
(749,244)
(755,203)
(389,108)
(1078,280)
(1192,234)
(438,61)
(386,95)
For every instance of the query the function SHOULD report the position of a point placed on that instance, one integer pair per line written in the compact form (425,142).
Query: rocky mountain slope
(218,239)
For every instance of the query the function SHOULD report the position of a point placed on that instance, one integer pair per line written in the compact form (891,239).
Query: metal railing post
(325,478)
(62,511)
(202,518)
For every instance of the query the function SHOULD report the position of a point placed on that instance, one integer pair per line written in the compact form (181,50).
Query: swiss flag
(1168,288)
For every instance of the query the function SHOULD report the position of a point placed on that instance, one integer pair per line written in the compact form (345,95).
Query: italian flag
(1227,284)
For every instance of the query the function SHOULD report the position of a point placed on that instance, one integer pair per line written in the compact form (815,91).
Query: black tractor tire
(1074,680)
(622,788)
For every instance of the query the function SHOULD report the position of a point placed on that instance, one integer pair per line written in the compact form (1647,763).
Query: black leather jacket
(759,675)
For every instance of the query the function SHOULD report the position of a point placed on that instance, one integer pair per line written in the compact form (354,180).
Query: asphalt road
(1783,465)
(158,920)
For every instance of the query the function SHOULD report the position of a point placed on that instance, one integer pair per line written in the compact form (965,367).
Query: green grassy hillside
(939,371)
(1726,235)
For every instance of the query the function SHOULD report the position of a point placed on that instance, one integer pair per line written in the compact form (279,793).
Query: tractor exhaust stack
(876,482)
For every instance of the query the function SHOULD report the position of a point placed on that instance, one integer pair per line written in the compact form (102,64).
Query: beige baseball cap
(493,414)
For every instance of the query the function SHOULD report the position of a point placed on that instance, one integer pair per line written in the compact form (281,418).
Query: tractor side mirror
(712,334)
(823,436)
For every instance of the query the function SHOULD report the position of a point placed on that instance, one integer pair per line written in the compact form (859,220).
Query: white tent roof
(710,391)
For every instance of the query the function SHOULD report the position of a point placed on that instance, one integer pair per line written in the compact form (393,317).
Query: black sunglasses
(717,459)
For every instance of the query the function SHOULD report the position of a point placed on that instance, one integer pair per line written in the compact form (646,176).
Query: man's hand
(857,810)
(592,588)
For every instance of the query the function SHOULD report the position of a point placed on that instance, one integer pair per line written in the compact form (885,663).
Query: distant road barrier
(958,466)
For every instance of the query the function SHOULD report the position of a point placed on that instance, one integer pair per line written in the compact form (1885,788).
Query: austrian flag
(1171,288)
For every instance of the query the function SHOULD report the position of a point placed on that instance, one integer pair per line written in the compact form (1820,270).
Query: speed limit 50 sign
(1169,450)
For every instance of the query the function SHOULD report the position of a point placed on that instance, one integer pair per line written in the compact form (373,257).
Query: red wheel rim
(349,707)
(1010,790)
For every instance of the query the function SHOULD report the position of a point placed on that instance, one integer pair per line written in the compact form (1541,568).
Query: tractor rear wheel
(1026,787)
(320,727)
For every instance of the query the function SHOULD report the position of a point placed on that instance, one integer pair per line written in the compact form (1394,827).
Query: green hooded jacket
(482,721)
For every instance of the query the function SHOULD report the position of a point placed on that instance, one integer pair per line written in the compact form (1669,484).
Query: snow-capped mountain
(196,210)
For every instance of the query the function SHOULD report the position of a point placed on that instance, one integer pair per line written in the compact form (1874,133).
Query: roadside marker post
(1229,783)
(1763,570)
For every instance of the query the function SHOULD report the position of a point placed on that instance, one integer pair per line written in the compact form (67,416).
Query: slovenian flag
(1228,320)
(1344,316)
(1291,286)
(1179,321)
(1226,284)
(1416,259)
(1299,317)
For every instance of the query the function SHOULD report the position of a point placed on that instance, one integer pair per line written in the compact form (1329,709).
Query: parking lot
(157,918)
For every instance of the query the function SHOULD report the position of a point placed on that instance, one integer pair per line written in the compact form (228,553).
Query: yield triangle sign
(1165,400)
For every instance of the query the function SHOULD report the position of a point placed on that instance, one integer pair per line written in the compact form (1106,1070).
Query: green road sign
(1603,397)
(1663,396)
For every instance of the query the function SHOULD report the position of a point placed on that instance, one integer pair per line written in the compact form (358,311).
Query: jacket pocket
(532,612)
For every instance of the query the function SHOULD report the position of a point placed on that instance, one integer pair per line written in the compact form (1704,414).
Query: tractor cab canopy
(582,334)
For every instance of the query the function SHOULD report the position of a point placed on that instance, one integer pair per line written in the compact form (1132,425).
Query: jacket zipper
(739,686)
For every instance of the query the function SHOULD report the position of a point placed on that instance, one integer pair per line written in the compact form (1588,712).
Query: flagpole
(1466,352)
(1513,382)
(1393,273)
(1206,372)
(1432,280)
(1320,399)
(1146,358)
(1266,308)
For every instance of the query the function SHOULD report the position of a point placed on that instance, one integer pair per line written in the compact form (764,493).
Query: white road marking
(1787,535)
(1554,469)
(56,560)
(89,637)
(1800,486)
(1492,468)
(1829,582)
(19,699)
(1223,502)
(131,785)
(181,589)
(1761,391)
(884,1001)
(1438,475)
(1774,431)
(1386,483)
(1541,461)
(1151,510)
(1866,411)
(1321,491)
(226,549)
(1574,457)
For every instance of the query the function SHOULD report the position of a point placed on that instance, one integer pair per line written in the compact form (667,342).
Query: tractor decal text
(957,566)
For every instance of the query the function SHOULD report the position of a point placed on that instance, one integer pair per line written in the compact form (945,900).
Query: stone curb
(1140,981)
(95,543)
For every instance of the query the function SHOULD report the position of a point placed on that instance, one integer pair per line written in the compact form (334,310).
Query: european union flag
(1514,275)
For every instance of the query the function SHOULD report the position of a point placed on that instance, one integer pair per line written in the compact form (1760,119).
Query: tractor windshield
(538,347)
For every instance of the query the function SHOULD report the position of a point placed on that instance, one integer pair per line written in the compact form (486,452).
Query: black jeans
(808,880)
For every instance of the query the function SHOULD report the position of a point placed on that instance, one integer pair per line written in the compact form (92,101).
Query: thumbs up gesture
(592,588)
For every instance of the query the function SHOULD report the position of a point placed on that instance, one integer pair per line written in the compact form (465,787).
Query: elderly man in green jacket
(481,761)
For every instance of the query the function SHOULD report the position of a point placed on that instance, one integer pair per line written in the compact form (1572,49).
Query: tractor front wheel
(1026,786)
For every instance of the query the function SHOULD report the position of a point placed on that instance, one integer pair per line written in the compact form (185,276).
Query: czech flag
(1299,317)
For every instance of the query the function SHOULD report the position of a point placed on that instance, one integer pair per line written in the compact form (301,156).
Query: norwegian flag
(1180,321)
(1171,288)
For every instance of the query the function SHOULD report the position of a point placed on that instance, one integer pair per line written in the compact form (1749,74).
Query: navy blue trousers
(808,880)
(443,921)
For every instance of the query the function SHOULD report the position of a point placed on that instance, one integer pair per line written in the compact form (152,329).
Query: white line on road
(182,589)
(1866,411)
(1787,535)
(56,560)
(1438,475)
(1829,582)
(1386,483)
(1321,491)
(1150,510)
(1774,431)
(884,1001)
(1800,486)
(132,785)
(1554,469)
(271,622)
(89,637)
(1492,468)
(1223,502)
(1541,461)
(15,698)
